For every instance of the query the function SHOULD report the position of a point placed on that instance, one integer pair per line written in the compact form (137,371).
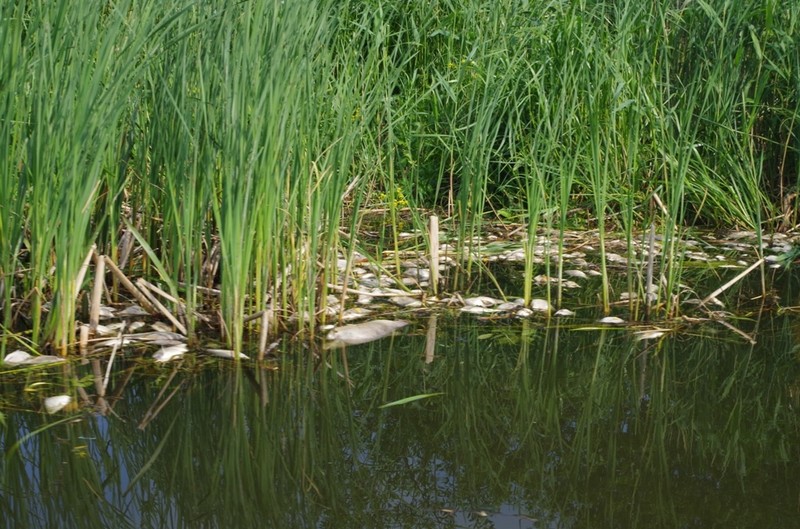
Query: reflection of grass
(556,423)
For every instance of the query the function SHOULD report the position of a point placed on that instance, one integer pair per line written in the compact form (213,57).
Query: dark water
(536,427)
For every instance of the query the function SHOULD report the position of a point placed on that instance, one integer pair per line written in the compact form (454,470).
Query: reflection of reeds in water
(580,423)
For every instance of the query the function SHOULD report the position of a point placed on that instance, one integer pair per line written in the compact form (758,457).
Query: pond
(518,424)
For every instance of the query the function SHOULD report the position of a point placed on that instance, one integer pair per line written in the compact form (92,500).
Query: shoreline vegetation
(238,163)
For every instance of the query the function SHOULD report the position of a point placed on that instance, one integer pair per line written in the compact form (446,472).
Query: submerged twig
(381,294)
(129,286)
(741,333)
(732,282)
(181,306)
(650,258)
(160,307)
(156,408)
(97,292)
(434,253)
(84,267)
(262,339)
(111,361)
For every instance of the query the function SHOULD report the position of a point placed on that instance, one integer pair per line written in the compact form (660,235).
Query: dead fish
(160,326)
(364,299)
(357,333)
(406,302)
(580,274)
(165,354)
(107,330)
(474,309)
(157,336)
(650,334)
(541,305)
(481,301)
(355,313)
(226,353)
(420,274)
(612,320)
(57,403)
(21,358)
(132,310)
(511,305)
(115,342)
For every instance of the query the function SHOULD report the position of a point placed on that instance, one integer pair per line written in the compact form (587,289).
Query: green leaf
(406,400)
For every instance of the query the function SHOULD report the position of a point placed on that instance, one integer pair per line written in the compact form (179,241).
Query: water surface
(534,426)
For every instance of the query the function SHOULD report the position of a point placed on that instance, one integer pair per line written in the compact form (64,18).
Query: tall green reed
(12,188)
(268,139)
(83,63)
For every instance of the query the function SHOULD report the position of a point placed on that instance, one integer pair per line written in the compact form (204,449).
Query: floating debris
(57,403)
(21,358)
(358,333)
(170,353)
